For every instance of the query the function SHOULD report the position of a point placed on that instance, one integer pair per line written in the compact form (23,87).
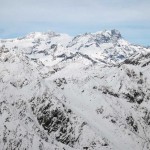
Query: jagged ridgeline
(88,92)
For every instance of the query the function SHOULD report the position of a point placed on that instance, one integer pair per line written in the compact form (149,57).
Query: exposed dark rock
(147,63)
(60,81)
(107,91)
(131,122)
(86,148)
(94,87)
(147,117)
(57,120)
(53,46)
(135,96)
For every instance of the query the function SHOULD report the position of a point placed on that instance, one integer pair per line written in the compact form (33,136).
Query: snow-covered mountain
(89,92)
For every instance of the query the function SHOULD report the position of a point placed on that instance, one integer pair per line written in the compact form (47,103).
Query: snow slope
(86,92)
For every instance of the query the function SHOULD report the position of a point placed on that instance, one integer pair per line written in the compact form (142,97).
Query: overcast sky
(130,17)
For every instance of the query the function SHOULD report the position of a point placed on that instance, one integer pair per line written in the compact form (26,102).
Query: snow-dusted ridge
(88,92)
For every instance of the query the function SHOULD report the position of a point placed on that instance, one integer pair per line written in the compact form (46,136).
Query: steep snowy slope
(87,92)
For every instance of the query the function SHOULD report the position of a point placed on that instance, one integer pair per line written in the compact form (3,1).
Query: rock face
(73,93)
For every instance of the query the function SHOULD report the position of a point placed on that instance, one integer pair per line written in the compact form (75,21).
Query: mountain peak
(116,33)
(41,34)
(110,33)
